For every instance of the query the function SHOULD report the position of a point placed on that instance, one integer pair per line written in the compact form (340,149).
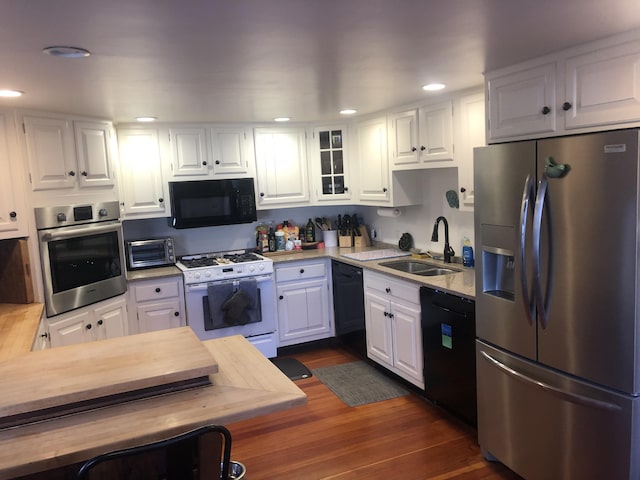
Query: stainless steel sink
(418,268)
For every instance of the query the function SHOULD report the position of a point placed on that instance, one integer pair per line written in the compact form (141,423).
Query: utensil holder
(345,241)
(330,238)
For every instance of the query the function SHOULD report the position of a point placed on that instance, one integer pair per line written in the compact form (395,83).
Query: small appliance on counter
(156,252)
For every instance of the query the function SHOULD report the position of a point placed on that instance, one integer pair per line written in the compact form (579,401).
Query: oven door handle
(83,230)
(203,286)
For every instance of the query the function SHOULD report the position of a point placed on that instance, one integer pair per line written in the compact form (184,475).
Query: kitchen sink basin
(418,268)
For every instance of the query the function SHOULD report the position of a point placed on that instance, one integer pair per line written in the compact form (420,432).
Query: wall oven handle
(527,197)
(563,394)
(71,232)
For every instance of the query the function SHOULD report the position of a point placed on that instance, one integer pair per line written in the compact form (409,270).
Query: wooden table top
(246,385)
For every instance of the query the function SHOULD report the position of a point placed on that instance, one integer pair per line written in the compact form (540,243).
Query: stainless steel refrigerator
(557,320)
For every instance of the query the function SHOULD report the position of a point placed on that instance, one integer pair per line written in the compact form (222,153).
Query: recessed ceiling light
(146,119)
(348,111)
(432,87)
(281,119)
(66,52)
(11,93)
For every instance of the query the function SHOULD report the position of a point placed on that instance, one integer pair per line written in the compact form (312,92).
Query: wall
(230,237)
(417,220)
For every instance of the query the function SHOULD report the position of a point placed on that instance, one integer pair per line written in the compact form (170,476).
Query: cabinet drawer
(300,271)
(156,290)
(392,287)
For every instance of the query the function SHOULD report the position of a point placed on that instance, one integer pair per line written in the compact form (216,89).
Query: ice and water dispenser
(498,267)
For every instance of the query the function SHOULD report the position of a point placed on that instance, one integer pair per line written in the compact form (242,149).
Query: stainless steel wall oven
(82,255)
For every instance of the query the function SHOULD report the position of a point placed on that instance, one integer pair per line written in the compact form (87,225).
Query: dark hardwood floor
(404,438)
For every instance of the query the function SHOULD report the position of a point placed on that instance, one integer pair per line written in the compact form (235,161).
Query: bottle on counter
(310,232)
(271,240)
(467,253)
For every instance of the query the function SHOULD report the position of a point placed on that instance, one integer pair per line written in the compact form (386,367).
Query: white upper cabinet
(584,89)
(63,154)
(189,152)
(373,160)
(522,103)
(329,175)
(13,212)
(603,87)
(469,132)
(281,164)
(231,151)
(422,138)
(94,142)
(143,191)
(202,152)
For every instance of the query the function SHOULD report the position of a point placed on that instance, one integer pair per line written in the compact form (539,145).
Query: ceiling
(253,60)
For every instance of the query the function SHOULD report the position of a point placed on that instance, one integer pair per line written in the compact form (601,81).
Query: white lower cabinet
(100,321)
(304,301)
(393,325)
(156,304)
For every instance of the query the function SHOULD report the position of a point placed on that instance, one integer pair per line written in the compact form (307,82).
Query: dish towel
(232,303)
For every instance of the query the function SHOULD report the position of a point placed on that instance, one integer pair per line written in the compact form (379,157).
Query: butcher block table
(63,406)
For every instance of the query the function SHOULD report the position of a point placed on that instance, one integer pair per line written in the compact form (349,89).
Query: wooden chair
(203,453)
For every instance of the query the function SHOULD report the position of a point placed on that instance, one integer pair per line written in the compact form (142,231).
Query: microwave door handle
(527,197)
(78,232)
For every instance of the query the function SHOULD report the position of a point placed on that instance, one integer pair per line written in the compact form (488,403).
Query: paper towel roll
(389,212)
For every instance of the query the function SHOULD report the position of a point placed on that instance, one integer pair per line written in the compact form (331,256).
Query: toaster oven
(156,252)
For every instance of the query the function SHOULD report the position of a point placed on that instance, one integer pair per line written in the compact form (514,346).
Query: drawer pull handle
(176,314)
(158,290)
(302,270)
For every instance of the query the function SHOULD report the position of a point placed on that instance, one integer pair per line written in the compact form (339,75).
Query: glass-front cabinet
(330,172)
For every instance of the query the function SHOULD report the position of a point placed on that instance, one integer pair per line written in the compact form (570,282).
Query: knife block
(345,241)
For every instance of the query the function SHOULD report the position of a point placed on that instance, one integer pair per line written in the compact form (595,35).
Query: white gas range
(231,293)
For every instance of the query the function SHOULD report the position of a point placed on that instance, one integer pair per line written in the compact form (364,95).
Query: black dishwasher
(348,297)
(448,337)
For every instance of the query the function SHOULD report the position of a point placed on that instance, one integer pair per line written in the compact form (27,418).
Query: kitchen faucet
(448,251)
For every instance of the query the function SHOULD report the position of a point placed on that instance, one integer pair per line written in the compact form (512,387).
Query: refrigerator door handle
(542,301)
(527,197)
(563,394)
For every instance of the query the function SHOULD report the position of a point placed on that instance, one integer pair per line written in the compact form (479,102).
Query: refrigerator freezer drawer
(545,425)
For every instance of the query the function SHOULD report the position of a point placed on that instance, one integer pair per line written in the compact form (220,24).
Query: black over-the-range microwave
(206,203)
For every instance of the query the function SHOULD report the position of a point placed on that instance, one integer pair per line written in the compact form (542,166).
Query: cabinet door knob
(45,335)
(413,149)
(462,189)
(346,189)
(100,322)
(72,173)
(158,289)
(281,297)
(176,314)
(566,106)
(384,189)
(161,200)
(546,110)
(423,148)
(88,327)
(204,163)
(217,162)
(391,315)
(13,214)
(262,194)
(386,314)
(388,290)
(84,174)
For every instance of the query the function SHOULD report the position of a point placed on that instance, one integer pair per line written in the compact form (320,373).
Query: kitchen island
(245,384)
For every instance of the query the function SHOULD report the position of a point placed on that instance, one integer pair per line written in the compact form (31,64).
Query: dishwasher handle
(449,310)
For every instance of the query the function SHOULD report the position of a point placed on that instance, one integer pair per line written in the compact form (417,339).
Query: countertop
(461,283)
(246,385)
(18,327)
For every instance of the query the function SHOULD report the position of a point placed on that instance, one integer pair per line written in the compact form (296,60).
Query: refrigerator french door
(556,305)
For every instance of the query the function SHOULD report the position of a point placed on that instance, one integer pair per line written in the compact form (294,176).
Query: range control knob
(207,273)
(103,212)
(251,268)
(196,275)
(62,217)
(261,267)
